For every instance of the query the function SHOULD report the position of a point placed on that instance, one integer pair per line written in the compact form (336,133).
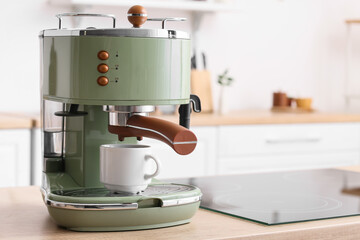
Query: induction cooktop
(282,197)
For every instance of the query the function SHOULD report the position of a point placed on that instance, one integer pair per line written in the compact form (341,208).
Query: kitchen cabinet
(263,147)
(279,162)
(15,157)
(246,142)
(288,138)
(36,167)
(287,146)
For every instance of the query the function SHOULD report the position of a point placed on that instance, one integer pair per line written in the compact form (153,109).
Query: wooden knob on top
(137,15)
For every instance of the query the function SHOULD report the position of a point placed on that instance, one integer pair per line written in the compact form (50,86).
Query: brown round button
(102,81)
(103,68)
(103,55)
(137,16)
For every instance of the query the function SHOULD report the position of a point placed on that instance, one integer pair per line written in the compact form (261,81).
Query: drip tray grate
(151,190)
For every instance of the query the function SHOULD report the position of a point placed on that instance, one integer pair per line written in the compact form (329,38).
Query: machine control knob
(103,55)
(102,81)
(103,68)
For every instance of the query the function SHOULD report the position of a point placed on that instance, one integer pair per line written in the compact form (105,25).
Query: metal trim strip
(182,201)
(116,32)
(88,206)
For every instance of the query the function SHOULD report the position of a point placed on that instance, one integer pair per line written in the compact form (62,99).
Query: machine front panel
(138,70)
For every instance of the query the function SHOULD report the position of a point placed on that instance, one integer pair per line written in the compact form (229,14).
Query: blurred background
(280,84)
(267,45)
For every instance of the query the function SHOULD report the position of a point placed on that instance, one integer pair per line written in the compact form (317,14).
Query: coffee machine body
(94,79)
(141,72)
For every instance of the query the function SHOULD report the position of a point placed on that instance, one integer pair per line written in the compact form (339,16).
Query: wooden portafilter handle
(137,16)
(182,140)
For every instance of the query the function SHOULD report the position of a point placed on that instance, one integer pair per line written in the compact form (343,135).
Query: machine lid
(137,16)
(117,32)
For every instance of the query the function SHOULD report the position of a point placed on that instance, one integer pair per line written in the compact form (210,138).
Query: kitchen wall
(297,46)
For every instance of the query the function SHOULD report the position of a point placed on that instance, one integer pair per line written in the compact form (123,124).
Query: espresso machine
(98,87)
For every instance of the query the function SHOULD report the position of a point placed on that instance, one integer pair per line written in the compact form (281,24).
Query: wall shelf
(196,6)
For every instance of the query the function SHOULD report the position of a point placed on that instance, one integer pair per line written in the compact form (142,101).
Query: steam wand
(185,110)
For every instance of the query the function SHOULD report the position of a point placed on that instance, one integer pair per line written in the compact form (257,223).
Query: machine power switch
(102,81)
(103,55)
(103,68)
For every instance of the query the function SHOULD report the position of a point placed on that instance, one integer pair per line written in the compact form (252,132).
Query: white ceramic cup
(125,168)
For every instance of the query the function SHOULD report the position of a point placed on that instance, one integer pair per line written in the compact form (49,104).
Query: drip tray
(98,209)
(155,195)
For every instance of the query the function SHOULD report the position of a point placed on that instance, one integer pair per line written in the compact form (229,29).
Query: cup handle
(148,176)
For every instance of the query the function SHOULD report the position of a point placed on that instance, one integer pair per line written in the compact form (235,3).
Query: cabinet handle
(293,140)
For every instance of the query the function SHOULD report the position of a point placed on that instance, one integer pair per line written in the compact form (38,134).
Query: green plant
(224,79)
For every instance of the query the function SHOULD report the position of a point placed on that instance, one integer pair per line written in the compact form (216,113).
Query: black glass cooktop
(282,197)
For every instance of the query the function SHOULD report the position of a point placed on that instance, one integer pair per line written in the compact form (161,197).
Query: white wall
(296,46)
(20,24)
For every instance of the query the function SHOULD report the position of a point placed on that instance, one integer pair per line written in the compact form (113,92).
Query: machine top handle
(60,16)
(164,20)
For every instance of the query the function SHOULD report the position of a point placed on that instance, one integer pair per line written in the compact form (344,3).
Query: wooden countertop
(23,215)
(265,117)
(17,121)
(9,121)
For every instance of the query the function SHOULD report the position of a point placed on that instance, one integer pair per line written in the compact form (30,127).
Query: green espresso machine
(98,87)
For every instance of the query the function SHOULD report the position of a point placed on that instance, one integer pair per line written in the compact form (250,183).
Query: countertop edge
(336,231)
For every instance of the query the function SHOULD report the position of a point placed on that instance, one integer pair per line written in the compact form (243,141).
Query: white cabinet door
(287,146)
(199,163)
(15,157)
(277,162)
(36,168)
(288,138)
